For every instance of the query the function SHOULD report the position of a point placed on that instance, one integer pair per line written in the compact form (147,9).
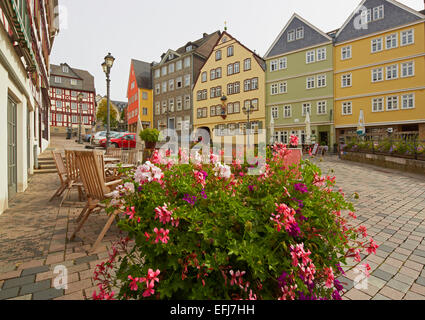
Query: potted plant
(150,137)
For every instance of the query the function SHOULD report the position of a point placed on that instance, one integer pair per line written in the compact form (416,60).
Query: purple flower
(189,199)
(203,194)
(336,295)
(251,188)
(282,279)
(338,285)
(301,187)
(140,189)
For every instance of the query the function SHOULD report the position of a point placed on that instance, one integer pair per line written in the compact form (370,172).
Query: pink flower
(163,214)
(294,141)
(372,247)
(149,291)
(352,215)
(161,235)
(133,283)
(367,268)
(363,231)
(131,212)
(318,181)
(329,277)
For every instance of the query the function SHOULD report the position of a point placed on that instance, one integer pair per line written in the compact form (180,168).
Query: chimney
(206,34)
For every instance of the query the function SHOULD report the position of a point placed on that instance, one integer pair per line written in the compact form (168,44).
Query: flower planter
(150,145)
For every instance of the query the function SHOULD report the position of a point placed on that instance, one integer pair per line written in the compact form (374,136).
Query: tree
(102,114)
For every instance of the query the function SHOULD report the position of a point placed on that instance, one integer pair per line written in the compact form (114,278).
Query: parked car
(121,140)
(100,136)
(87,138)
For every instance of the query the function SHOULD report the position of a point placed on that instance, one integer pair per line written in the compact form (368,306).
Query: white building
(24,83)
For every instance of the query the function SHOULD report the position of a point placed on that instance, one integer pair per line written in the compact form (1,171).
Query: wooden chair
(130,157)
(91,167)
(73,174)
(114,152)
(60,166)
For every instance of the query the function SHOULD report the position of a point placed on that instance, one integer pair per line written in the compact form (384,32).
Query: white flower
(222,170)
(129,186)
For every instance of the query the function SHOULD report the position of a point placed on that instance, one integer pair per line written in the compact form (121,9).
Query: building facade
(173,80)
(299,80)
(66,83)
(233,77)
(120,108)
(27,33)
(380,71)
(140,95)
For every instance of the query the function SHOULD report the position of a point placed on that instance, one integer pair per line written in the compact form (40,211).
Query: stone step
(44,171)
(47,166)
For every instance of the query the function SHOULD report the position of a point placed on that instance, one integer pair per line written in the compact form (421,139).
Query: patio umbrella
(272,130)
(308,129)
(361,129)
(139,142)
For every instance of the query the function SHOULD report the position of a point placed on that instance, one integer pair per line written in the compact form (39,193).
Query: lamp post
(248,112)
(106,66)
(79,99)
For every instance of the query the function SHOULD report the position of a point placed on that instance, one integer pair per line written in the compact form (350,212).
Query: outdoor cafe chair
(92,172)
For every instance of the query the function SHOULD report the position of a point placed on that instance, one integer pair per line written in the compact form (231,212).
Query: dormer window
(378,12)
(224,39)
(189,48)
(300,33)
(171,56)
(65,69)
(291,35)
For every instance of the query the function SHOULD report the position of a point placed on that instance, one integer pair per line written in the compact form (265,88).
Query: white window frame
(291,35)
(408,96)
(389,75)
(404,36)
(403,67)
(304,109)
(273,65)
(393,37)
(179,65)
(322,107)
(348,105)
(274,89)
(378,13)
(58,79)
(186,62)
(321,81)
(275,113)
(310,83)
(287,111)
(283,87)
(299,33)
(321,54)
(376,41)
(310,56)
(346,77)
(283,63)
(346,52)
(376,102)
(377,71)
(390,101)
(187,80)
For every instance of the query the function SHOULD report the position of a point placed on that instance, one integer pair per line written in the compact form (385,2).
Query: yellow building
(233,77)
(379,62)
(146,108)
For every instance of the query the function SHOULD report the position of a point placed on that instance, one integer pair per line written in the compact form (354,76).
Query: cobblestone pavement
(392,207)
(33,241)
(34,232)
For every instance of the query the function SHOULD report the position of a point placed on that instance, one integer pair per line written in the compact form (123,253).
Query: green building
(299,79)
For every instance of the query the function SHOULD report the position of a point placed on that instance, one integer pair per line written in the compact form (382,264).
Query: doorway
(12,148)
(324,138)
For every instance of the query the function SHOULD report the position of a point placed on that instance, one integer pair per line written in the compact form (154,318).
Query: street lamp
(106,66)
(248,112)
(79,99)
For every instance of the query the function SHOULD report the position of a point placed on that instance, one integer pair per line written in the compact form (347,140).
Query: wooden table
(111,169)
(111,160)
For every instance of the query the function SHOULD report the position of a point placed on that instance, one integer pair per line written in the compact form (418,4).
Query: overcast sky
(144,29)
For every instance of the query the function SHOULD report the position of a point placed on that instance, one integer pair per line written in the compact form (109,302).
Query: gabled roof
(395,14)
(257,58)
(166,55)
(143,74)
(200,47)
(312,36)
(85,76)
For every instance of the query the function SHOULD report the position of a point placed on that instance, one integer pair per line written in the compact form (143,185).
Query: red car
(122,141)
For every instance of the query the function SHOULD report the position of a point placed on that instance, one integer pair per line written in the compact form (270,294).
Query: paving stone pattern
(392,207)
(34,232)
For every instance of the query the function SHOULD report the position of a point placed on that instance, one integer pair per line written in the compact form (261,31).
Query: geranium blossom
(371,248)
(163,214)
(147,173)
(328,272)
(294,141)
(161,235)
